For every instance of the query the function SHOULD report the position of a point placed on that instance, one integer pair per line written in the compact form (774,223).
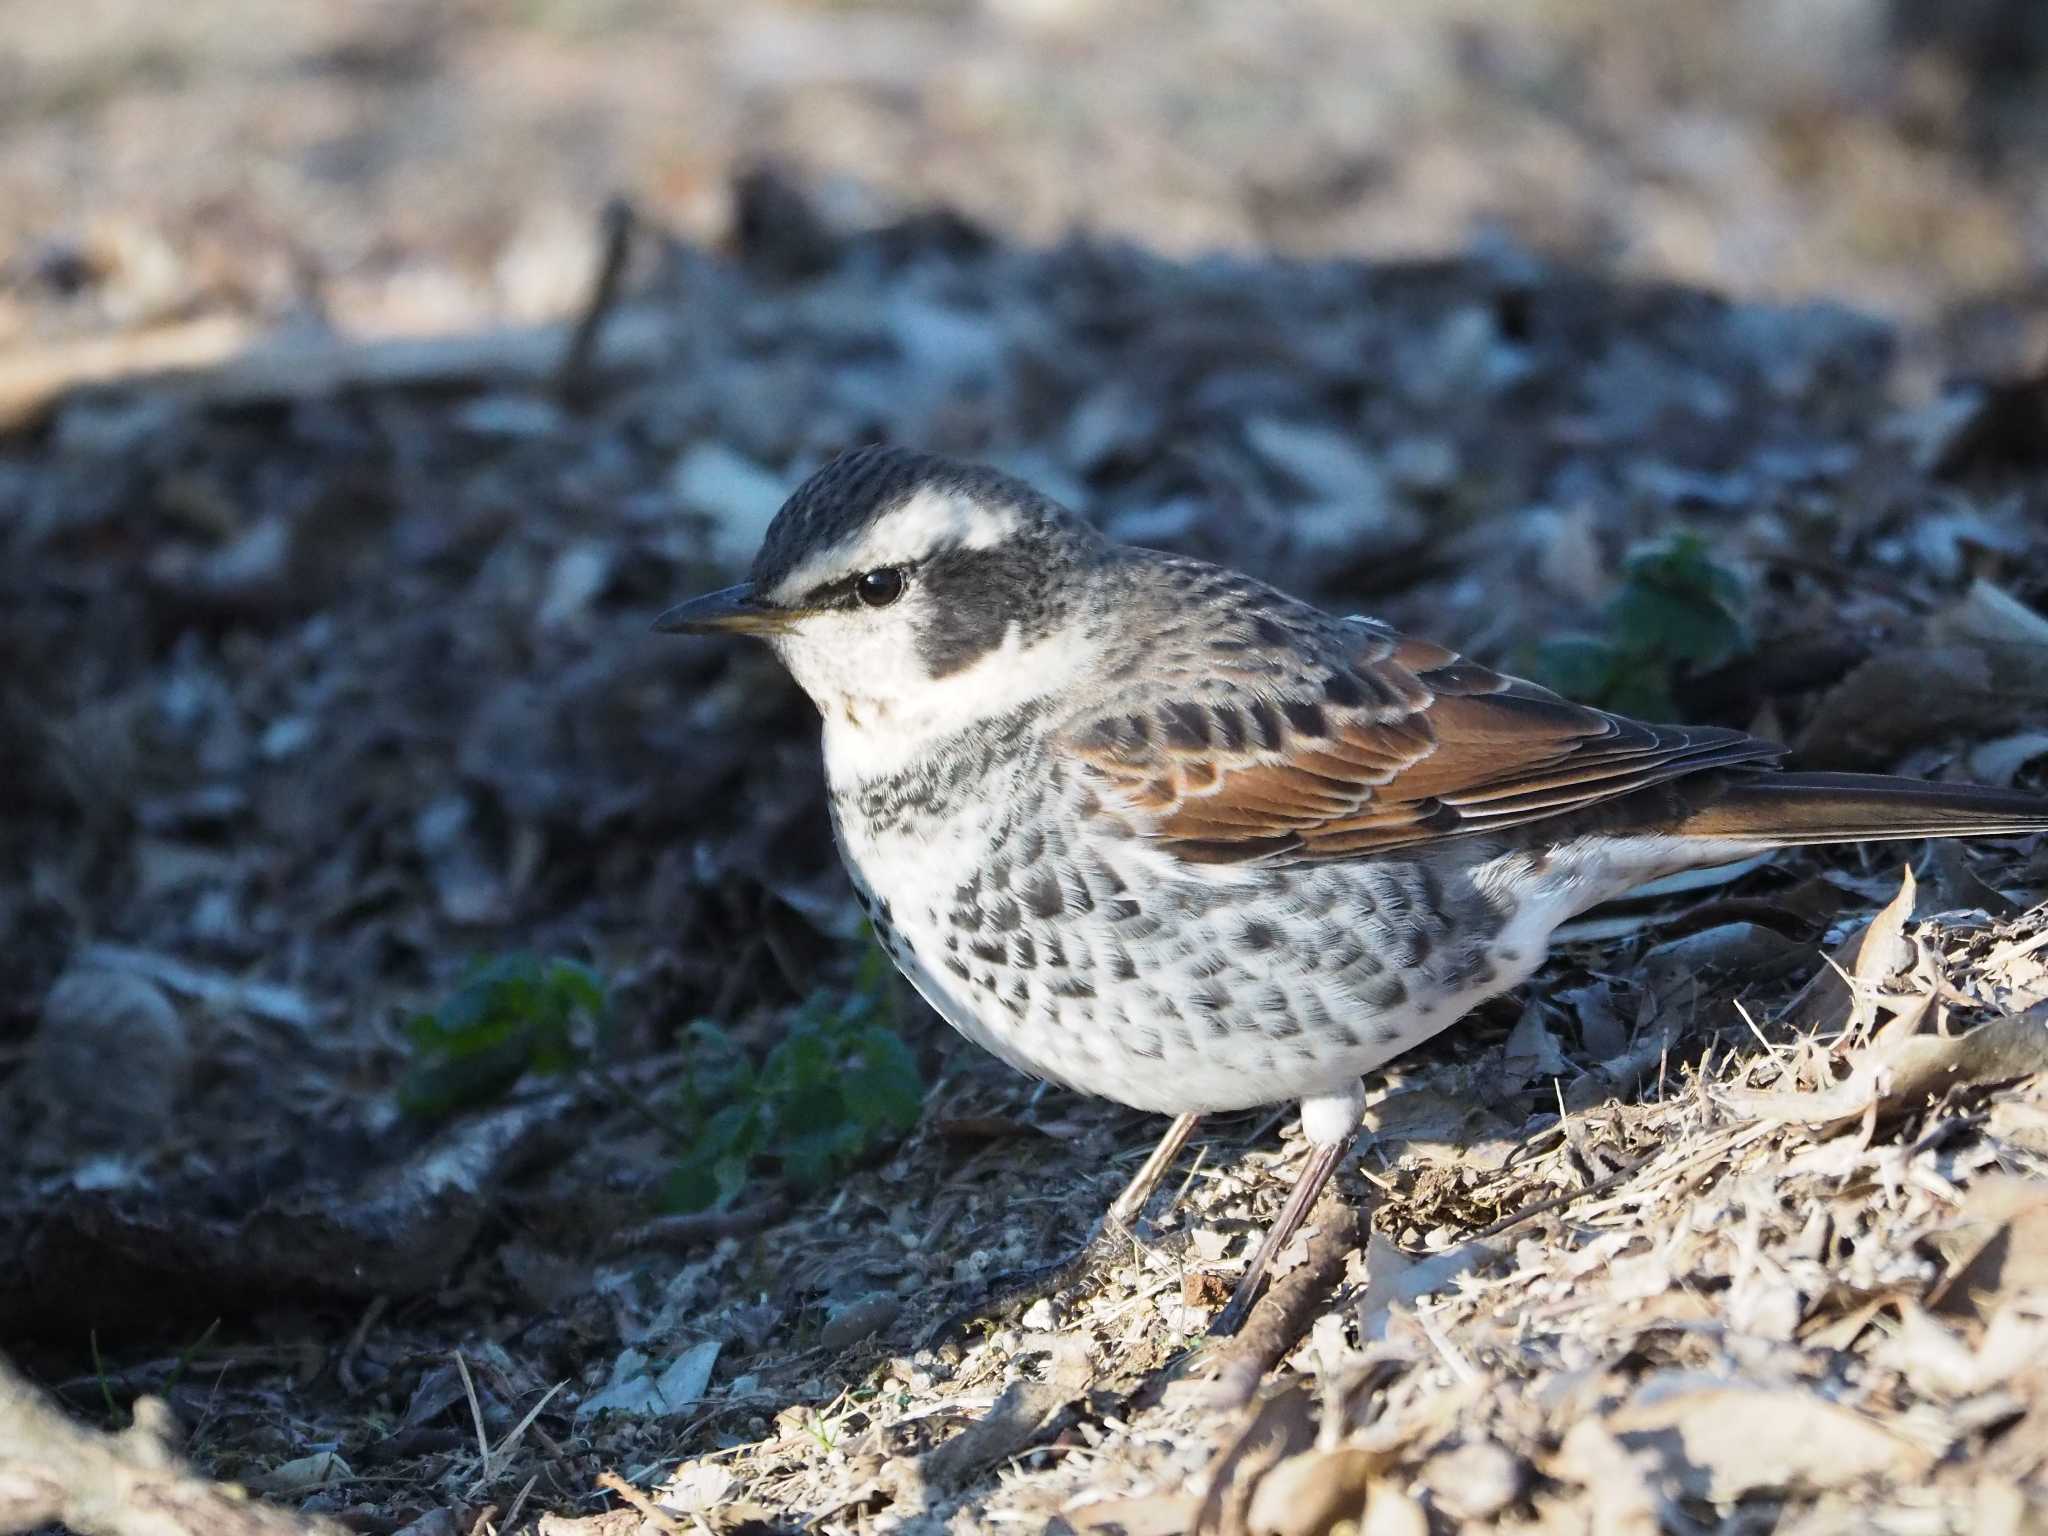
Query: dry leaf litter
(325,676)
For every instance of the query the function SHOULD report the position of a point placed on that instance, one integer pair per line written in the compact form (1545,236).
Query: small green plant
(1676,609)
(510,1016)
(839,1084)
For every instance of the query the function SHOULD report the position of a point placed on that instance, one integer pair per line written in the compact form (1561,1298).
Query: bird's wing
(1373,741)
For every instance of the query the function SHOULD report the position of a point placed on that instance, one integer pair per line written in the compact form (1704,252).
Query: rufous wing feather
(1389,742)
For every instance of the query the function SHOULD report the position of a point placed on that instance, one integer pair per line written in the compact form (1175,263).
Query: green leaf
(509,1016)
(578,986)
(871,983)
(837,1085)
(801,1061)
(731,1175)
(1675,608)
(812,1158)
(808,1106)
(1639,687)
(1677,603)
(691,1185)
(1578,666)
(733,1130)
(438,1087)
(881,1085)
(1676,625)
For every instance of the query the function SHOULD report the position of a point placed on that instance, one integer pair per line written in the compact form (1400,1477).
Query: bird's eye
(878,589)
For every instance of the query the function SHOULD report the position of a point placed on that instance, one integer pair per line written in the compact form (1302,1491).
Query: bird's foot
(1011,1293)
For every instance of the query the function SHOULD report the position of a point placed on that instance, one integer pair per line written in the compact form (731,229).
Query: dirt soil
(325,671)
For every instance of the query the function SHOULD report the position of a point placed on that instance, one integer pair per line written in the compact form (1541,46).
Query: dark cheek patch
(971,598)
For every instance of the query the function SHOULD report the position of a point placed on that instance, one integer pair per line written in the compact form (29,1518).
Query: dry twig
(53,1471)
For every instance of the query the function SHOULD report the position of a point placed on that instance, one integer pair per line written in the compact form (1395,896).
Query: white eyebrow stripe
(930,519)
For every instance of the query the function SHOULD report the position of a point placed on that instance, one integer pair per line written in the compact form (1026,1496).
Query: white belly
(1110,966)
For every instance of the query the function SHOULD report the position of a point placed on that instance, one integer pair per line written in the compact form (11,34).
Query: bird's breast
(904,869)
(1102,962)
(1097,959)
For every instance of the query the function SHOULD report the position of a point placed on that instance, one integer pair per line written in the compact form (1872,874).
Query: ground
(327,675)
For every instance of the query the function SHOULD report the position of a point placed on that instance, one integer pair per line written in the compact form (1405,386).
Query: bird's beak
(736,610)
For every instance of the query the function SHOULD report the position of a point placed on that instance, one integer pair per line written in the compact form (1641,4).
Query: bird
(1150,829)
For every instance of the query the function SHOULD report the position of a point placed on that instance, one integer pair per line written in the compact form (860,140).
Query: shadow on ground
(321,689)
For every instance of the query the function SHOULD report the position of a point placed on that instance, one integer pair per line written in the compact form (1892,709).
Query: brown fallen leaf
(1282,1423)
(1753,951)
(1016,1419)
(2021,1124)
(1311,1494)
(1623,1501)
(610,1522)
(1899,699)
(302,1475)
(2021,1453)
(1884,951)
(1475,1480)
(35,379)
(1839,1332)
(2011,635)
(1998,1249)
(1842,991)
(1157,1514)
(1445,1111)
(652,1516)
(1393,1279)
(1892,1075)
(1973,668)
(1958,887)
(1725,1441)
(1996,424)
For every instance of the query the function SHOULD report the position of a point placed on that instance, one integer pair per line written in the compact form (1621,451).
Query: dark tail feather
(1784,810)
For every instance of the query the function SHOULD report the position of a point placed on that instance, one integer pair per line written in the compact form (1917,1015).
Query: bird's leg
(1130,1205)
(1321,1164)
(1110,1241)
(1330,1123)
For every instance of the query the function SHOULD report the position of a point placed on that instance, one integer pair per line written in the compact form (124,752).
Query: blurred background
(404,952)
(406,164)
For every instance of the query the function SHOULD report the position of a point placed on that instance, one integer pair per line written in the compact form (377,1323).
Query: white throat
(872,731)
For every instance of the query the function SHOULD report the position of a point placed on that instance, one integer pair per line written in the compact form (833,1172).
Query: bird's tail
(1784,810)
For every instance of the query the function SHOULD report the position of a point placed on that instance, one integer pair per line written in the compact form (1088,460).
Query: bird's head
(911,596)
